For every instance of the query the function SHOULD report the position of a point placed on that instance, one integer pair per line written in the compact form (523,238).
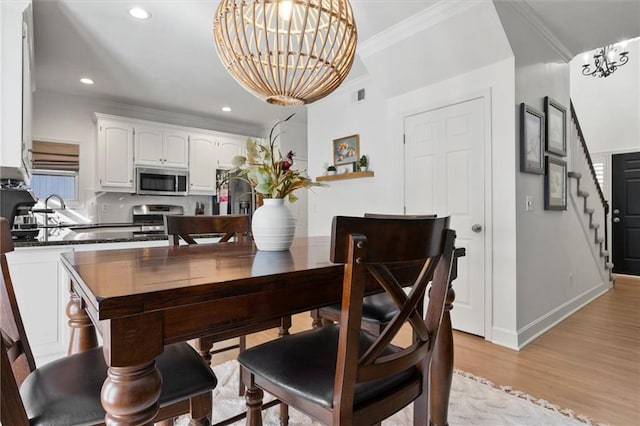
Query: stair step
(584,194)
(576,175)
(589,211)
(594,226)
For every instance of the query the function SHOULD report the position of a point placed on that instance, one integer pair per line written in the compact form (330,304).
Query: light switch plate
(528,203)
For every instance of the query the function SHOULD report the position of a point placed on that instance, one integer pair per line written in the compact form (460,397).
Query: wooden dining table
(142,299)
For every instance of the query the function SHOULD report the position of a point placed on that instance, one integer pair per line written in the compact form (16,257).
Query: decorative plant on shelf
(363,163)
(268,171)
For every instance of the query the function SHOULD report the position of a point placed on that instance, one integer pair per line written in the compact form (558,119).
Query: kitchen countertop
(89,234)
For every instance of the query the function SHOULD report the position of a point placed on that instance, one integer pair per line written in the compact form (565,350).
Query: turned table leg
(130,394)
(83,333)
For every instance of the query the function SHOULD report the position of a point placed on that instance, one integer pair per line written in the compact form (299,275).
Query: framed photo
(345,168)
(555,184)
(531,140)
(556,120)
(346,150)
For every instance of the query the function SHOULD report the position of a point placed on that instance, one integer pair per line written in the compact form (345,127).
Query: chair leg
(284,414)
(201,407)
(253,397)
(242,345)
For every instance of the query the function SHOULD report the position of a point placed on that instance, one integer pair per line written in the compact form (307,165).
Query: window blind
(55,156)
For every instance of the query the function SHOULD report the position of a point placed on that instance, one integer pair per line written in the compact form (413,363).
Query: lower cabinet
(42,290)
(41,285)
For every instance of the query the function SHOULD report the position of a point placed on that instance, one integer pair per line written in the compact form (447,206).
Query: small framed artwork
(345,168)
(531,140)
(555,184)
(556,125)
(346,150)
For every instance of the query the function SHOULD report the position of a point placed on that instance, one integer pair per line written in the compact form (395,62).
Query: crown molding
(419,22)
(524,10)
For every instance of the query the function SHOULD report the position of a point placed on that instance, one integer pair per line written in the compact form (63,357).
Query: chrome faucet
(46,206)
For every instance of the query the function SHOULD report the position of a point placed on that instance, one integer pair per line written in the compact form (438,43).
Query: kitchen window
(55,169)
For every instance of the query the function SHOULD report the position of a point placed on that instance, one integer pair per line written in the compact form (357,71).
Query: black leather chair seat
(67,391)
(309,370)
(375,308)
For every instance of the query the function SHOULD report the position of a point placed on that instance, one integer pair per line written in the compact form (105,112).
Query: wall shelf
(342,176)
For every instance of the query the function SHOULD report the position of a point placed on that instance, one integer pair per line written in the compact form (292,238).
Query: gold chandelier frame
(286,52)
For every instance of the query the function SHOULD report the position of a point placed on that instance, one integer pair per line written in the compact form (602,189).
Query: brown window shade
(55,156)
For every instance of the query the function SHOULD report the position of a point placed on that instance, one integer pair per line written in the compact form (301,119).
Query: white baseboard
(535,328)
(504,337)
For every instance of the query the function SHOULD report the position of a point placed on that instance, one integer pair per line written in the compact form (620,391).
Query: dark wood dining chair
(184,227)
(67,391)
(341,374)
(377,309)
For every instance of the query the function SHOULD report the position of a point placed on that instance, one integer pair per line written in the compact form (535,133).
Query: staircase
(595,206)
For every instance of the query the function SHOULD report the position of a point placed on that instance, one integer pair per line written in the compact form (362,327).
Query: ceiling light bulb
(226,109)
(139,13)
(86,80)
(284,9)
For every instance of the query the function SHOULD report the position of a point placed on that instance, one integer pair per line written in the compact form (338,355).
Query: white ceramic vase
(273,225)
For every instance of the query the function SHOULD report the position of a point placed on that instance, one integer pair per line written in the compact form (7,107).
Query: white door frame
(488,184)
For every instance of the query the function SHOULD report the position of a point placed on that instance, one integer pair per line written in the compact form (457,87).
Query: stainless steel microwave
(161,181)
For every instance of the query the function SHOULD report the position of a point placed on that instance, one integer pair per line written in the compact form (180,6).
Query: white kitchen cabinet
(41,285)
(159,147)
(16,55)
(203,160)
(115,155)
(228,147)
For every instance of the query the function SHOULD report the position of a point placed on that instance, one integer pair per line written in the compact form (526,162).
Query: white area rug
(474,401)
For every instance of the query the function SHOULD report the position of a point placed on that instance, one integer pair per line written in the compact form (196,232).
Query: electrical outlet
(528,203)
(104,207)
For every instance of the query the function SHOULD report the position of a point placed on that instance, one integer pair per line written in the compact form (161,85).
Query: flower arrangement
(268,171)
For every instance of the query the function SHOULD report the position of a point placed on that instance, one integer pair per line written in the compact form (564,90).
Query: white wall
(66,118)
(609,108)
(379,122)
(557,272)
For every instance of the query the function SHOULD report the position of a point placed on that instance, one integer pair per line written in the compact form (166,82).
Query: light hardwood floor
(589,363)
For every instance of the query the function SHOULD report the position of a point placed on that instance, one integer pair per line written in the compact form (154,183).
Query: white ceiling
(169,62)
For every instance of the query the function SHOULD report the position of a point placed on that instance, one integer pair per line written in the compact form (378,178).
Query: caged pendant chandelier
(286,52)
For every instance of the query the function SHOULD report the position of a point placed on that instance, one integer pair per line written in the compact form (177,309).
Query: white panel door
(444,174)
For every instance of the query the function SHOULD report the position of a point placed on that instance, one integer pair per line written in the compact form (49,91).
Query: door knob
(476,228)
(616,219)
(616,211)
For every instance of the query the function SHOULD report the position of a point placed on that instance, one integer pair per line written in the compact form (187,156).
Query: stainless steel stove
(150,217)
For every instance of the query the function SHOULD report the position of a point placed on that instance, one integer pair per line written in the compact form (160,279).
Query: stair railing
(603,200)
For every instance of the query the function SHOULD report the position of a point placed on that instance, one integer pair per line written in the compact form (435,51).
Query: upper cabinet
(16,78)
(203,158)
(159,147)
(126,143)
(230,146)
(115,155)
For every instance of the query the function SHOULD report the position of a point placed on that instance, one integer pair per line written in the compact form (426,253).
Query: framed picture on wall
(556,126)
(531,140)
(346,150)
(555,184)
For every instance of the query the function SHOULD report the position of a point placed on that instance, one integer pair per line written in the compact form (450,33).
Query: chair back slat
(12,412)
(374,247)
(397,244)
(179,226)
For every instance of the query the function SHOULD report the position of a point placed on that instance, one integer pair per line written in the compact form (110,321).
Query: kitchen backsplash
(116,207)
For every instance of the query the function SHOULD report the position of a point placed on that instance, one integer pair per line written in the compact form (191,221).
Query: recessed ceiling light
(86,80)
(226,109)
(139,13)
